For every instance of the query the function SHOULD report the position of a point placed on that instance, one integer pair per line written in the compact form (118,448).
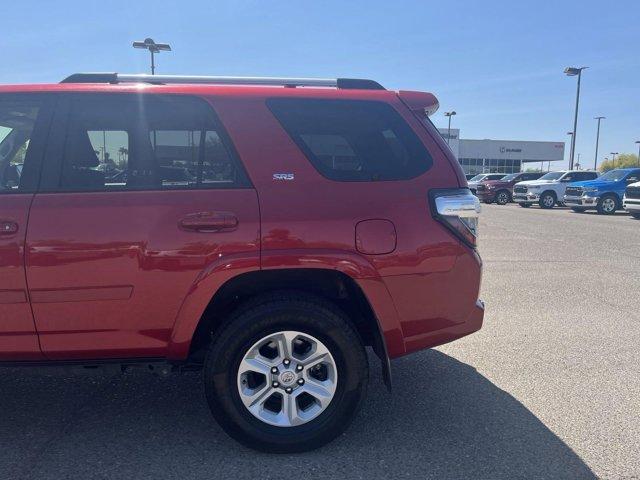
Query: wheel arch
(552,192)
(617,197)
(352,295)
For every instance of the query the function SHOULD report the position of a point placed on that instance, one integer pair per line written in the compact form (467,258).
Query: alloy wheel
(287,378)
(608,205)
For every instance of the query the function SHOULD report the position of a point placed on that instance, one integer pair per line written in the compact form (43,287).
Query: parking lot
(549,388)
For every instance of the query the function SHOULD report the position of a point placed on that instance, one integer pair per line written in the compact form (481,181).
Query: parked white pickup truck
(549,189)
(632,199)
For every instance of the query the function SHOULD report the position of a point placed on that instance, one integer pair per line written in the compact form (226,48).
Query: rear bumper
(439,307)
(471,324)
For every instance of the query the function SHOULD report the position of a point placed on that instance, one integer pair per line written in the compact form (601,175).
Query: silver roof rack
(345,83)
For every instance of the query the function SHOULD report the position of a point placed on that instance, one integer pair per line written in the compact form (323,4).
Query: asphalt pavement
(549,388)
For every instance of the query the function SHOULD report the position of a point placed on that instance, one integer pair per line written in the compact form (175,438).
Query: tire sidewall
(223,360)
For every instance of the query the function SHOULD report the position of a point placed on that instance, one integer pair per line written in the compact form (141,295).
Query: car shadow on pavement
(444,420)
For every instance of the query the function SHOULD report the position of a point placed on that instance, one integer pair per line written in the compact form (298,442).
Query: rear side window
(17,122)
(587,175)
(352,140)
(531,176)
(125,142)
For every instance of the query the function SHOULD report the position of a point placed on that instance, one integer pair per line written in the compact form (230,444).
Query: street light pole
(638,142)
(571,136)
(449,114)
(571,72)
(153,47)
(595,160)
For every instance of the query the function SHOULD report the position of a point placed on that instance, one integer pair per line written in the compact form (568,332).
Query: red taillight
(459,211)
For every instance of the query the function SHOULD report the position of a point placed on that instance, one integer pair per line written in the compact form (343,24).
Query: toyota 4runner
(264,230)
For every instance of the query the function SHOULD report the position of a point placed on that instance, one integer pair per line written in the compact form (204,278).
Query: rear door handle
(8,227)
(209,222)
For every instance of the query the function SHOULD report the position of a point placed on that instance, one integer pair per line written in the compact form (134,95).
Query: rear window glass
(353,140)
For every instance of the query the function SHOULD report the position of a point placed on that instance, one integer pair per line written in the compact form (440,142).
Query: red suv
(266,230)
(501,191)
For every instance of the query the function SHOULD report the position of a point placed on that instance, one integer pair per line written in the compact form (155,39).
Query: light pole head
(599,118)
(152,46)
(569,133)
(573,71)
(449,114)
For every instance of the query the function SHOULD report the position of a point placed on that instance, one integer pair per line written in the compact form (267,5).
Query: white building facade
(501,156)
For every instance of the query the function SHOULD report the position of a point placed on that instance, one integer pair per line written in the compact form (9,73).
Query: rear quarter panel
(310,221)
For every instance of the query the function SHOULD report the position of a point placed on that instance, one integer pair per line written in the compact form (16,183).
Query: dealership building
(501,156)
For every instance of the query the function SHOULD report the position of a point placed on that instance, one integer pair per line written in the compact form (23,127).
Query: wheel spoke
(285,344)
(253,399)
(319,355)
(255,364)
(290,410)
(318,390)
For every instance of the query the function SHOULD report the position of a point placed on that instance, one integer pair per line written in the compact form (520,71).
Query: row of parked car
(580,190)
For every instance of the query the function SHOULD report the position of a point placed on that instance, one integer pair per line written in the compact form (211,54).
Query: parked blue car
(603,194)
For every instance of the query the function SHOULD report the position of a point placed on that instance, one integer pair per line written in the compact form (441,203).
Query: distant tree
(123,155)
(624,160)
(533,170)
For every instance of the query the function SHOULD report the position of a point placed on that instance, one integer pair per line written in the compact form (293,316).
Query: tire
(608,204)
(291,317)
(525,205)
(547,200)
(636,215)
(503,197)
(578,209)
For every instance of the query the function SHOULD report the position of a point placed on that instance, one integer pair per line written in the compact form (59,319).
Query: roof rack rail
(343,83)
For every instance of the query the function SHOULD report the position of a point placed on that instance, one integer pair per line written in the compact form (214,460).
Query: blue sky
(498,64)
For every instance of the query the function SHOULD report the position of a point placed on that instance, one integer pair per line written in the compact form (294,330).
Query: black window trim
(31,172)
(306,151)
(51,172)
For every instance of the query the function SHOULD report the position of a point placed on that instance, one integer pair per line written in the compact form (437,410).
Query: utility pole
(571,72)
(449,114)
(595,160)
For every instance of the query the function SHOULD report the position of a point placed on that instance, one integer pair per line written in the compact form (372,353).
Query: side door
(140,194)
(633,177)
(24,122)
